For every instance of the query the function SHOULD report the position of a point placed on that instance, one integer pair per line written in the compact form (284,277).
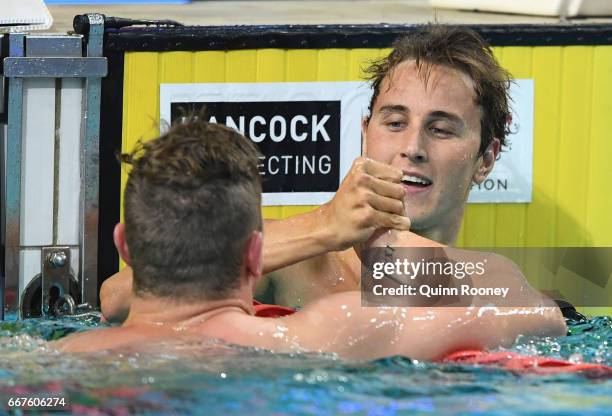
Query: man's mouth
(415,182)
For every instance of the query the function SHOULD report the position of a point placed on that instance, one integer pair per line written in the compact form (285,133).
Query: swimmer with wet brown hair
(192,235)
(438,120)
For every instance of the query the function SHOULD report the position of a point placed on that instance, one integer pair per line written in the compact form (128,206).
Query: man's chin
(418,220)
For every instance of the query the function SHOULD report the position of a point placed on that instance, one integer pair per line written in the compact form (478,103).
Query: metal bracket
(56,277)
(54,67)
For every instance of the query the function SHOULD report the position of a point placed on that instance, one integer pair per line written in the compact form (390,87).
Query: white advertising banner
(309,134)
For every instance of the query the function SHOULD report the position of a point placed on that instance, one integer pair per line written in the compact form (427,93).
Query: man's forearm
(293,240)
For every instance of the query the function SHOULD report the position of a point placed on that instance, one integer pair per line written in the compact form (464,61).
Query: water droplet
(576,358)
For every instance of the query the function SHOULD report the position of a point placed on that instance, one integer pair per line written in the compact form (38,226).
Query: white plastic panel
(589,8)
(69,175)
(37,162)
(540,7)
(24,15)
(29,267)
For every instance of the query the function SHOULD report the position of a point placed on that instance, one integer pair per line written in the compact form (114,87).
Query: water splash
(188,377)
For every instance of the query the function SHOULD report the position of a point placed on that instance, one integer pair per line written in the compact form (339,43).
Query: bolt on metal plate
(55,262)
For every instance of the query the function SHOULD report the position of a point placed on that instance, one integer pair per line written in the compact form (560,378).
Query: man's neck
(438,234)
(151,310)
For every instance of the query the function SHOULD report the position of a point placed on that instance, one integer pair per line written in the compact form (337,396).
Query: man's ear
(121,243)
(487,161)
(364,132)
(253,259)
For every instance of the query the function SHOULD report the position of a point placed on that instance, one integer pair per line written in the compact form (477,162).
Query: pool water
(214,378)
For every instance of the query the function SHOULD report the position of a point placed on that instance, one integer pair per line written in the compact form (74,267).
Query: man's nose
(414,148)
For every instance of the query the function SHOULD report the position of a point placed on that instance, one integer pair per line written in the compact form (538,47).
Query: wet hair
(462,49)
(191,201)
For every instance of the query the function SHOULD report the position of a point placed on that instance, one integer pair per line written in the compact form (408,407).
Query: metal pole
(90,144)
(12,196)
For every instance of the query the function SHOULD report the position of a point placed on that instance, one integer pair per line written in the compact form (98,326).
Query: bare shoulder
(493,262)
(311,279)
(81,341)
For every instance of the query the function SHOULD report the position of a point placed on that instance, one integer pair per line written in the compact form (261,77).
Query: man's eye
(395,125)
(441,132)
